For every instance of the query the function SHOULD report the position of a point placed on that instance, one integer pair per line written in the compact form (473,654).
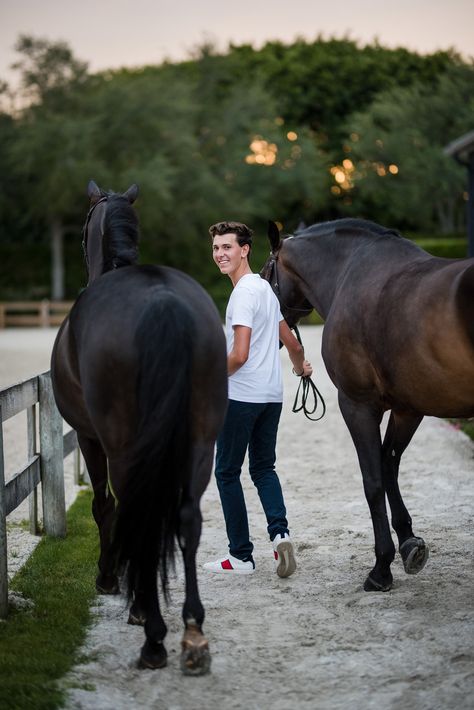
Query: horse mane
(340,226)
(121,232)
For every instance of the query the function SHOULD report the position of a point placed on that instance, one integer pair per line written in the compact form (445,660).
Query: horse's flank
(399,322)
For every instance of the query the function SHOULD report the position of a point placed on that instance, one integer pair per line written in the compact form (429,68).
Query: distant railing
(44,466)
(44,314)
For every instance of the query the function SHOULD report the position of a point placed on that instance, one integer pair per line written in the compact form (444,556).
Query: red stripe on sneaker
(226,564)
(276,554)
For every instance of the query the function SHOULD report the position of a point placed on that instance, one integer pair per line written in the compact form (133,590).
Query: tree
(51,151)
(396,147)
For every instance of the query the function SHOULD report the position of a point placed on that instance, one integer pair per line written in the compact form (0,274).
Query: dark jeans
(254,426)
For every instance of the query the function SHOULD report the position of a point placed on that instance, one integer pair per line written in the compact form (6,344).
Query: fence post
(44,313)
(33,497)
(3,533)
(51,454)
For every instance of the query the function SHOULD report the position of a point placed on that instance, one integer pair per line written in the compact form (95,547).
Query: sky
(131,33)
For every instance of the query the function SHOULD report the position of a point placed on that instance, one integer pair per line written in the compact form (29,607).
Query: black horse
(398,335)
(139,371)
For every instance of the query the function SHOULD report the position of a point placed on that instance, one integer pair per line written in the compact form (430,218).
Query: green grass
(38,646)
(466,425)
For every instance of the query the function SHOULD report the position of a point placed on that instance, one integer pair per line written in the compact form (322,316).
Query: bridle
(276,286)
(306,387)
(86,227)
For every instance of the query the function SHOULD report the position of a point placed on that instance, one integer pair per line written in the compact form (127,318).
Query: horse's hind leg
(103,507)
(195,656)
(363,422)
(153,654)
(400,430)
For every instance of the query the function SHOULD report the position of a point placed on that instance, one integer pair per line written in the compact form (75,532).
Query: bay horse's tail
(147,511)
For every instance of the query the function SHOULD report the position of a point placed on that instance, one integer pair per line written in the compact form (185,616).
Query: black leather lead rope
(307,389)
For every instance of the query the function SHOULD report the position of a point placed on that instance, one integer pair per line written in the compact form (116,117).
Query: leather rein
(306,388)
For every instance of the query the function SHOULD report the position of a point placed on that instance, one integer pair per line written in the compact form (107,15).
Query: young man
(254,326)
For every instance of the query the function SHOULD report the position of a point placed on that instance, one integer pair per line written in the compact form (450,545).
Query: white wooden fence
(45,465)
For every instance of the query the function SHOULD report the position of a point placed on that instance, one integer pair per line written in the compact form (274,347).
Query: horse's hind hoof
(414,554)
(136,618)
(370,585)
(107,584)
(195,661)
(153,656)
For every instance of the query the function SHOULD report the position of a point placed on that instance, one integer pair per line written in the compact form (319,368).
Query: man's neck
(243,270)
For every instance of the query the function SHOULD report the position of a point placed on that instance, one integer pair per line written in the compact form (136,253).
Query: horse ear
(132,193)
(273,236)
(94,192)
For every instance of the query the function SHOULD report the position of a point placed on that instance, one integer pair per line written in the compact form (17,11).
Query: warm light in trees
(393,169)
(343,175)
(292,136)
(263,152)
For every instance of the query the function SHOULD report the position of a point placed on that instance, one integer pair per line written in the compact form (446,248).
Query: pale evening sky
(136,32)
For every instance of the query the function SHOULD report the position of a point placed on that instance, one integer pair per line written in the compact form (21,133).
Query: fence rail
(45,466)
(44,314)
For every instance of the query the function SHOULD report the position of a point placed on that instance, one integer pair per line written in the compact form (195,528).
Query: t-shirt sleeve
(243,308)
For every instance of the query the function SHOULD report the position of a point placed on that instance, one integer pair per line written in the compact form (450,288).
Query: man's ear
(247,249)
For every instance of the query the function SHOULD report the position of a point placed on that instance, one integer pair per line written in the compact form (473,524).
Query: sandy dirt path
(315,640)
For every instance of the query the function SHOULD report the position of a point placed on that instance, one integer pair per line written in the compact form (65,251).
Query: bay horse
(398,336)
(139,371)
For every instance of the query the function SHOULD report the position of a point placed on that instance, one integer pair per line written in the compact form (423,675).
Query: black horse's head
(285,283)
(110,232)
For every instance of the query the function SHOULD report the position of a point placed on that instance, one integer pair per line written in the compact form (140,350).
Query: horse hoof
(107,584)
(153,656)
(136,618)
(414,554)
(370,585)
(195,661)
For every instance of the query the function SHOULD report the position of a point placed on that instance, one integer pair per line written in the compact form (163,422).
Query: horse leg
(153,654)
(400,430)
(103,506)
(363,422)
(137,613)
(195,656)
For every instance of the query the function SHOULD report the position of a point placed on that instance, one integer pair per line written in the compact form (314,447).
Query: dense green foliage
(39,645)
(304,132)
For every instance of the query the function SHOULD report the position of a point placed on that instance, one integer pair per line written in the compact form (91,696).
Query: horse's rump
(465,301)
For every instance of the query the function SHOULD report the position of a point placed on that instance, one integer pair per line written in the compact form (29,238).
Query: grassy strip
(466,425)
(38,646)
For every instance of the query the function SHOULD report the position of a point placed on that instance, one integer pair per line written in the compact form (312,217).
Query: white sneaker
(230,565)
(284,555)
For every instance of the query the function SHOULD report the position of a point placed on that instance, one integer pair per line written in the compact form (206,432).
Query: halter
(276,287)
(86,226)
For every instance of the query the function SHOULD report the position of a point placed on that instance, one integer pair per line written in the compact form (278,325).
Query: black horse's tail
(147,512)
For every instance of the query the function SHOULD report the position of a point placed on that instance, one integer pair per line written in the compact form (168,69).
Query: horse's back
(112,323)
(410,322)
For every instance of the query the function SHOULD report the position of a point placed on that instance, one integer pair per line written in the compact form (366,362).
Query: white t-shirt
(253,304)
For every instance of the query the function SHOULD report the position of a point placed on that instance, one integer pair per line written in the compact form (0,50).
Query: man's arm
(239,354)
(295,351)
